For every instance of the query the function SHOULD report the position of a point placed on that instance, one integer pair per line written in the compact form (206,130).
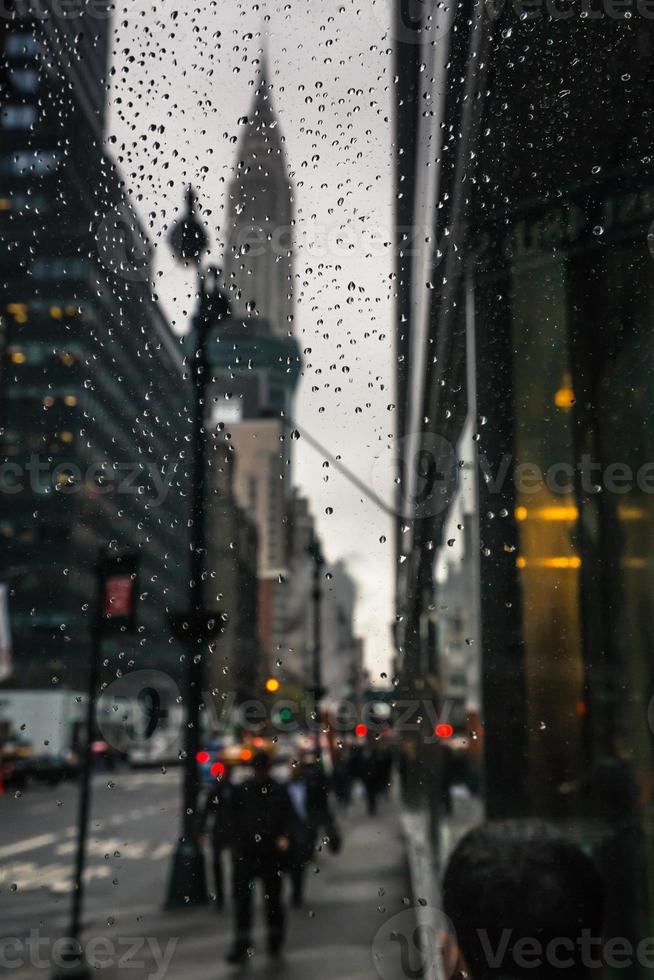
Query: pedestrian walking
(373,772)
(262,828)
(308,793)
(342,778)
(218,821)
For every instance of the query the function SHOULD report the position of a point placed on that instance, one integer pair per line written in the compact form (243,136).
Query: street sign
(119,580)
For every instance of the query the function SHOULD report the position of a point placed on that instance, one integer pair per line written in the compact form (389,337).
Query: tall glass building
(525,288)
(94,398)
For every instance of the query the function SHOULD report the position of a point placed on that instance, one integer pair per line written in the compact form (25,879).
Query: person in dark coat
(307,789)
(262,828)
(372,775)
(218,818)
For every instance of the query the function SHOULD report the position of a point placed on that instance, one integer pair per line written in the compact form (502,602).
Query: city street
(350,896)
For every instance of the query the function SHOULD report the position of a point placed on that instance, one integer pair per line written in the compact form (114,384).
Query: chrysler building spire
(258,257)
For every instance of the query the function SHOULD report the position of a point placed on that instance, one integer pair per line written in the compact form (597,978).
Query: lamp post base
(187,884)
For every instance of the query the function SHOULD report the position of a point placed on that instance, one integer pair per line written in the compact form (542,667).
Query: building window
(19,45)
(18,116)
(24,79)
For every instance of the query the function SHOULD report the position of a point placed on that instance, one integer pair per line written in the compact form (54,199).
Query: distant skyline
(182,81)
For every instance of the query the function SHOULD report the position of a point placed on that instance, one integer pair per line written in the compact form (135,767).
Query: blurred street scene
(326,489)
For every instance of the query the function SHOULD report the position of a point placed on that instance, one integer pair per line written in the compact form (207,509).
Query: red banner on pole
(118,596)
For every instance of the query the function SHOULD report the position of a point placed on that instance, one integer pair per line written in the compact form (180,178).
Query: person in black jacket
(219,816)
(307,789)
(262,827)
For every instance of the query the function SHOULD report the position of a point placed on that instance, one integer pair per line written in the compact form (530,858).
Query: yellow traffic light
(272,685)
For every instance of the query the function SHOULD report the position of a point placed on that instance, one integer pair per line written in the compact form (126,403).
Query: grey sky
(191,69)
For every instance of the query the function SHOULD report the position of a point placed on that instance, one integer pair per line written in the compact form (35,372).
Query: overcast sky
(192,69)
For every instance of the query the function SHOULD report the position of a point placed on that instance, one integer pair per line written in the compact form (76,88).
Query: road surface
(358,902)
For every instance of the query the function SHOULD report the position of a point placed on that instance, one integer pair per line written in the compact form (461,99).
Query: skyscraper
(255,358)
(93,407)
(258,260)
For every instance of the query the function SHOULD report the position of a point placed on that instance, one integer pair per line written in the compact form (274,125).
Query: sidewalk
(424,870)
(350,898)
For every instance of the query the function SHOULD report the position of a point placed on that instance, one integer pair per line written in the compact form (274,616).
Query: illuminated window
(17,357)
(70,400)
(66,436)
(22,46)
(18,311)
(18,116)
(56,312)
(5,204)
(48,401)
(24,79)
(66,358)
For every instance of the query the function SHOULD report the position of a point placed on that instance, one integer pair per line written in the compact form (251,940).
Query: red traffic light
(443,730)
(218,769)
(202,757)
(361,730)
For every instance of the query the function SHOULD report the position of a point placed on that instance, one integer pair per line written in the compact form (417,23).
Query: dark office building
(94,407)
(525,303)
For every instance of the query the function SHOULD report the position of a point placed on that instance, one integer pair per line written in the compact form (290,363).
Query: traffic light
(272,685)
(361,730)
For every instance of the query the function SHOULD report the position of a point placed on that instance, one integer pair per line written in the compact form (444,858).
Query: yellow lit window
(565,396)
(48,401)
(66,358)
(563,561)
(70,400)
(18,311)
(17,357)
(56,312)
(5,204)
(66,436)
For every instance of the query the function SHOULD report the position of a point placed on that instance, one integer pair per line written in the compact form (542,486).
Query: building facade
(538,209)
(93,393)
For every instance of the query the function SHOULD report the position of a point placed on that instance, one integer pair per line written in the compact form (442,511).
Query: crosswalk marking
(29,844)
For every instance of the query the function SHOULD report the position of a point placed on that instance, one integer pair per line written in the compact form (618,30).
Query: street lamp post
(196,626)
(316,595)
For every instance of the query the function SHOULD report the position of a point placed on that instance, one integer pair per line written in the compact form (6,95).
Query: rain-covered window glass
(326,469)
